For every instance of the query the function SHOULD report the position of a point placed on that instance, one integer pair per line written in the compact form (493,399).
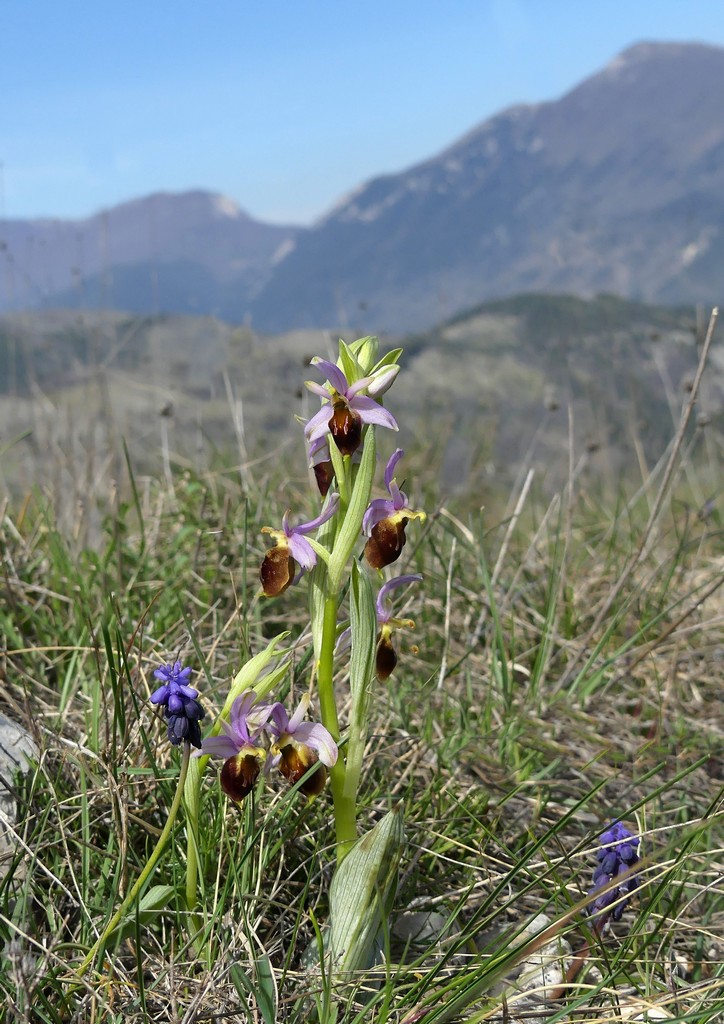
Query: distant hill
(497,382)
(193,252)
(616,187)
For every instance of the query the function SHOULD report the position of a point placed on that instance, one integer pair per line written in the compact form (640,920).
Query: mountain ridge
(617,186)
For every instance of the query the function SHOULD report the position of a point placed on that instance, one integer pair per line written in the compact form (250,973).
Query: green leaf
(350,364)
(390,358)
(262,989)
(151,905)
(363,624)
(352,524)
(362,894)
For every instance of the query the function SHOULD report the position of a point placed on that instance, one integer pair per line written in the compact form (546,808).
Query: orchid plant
(340,554)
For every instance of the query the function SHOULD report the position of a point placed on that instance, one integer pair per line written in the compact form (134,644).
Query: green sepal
(365,350)
(350,365)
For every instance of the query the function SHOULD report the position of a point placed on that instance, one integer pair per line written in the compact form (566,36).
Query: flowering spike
(345,426)
(617,856)
(385,654)
(239,745)
(181,709)
(385,544)
(240,773)
(299,745)
(277,571)
(295,763)
(321,463)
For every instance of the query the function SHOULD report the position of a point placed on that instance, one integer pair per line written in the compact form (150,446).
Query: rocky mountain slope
(616,187)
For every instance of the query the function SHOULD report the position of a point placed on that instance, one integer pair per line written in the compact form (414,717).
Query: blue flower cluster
(617,856)
(180,706)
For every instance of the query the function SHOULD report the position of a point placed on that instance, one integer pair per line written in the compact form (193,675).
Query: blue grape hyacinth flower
(181,709)
(617,857)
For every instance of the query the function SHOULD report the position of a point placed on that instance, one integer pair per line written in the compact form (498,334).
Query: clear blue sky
(283,105)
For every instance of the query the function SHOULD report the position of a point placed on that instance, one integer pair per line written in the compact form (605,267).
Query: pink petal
(219,746)
(302,551)
(319,739)
(392,466)
(377,510)
(371,412)
(334,375)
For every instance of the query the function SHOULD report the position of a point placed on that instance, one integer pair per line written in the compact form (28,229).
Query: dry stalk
(647,536)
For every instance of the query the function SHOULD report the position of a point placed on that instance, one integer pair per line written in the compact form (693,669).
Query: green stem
(150,865)
(345,814)
(192,794)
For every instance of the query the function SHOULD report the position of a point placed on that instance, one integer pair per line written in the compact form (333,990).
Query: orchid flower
(385,654)
(291,549)
(298,745)
(386,519)
(239,745)
(350,409)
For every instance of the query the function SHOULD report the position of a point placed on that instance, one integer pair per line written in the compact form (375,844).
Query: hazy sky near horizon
(283,105)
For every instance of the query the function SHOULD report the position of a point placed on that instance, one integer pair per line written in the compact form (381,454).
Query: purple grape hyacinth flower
(617,856)
(291,549)
(386,519)
(346,410)
(182,710)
